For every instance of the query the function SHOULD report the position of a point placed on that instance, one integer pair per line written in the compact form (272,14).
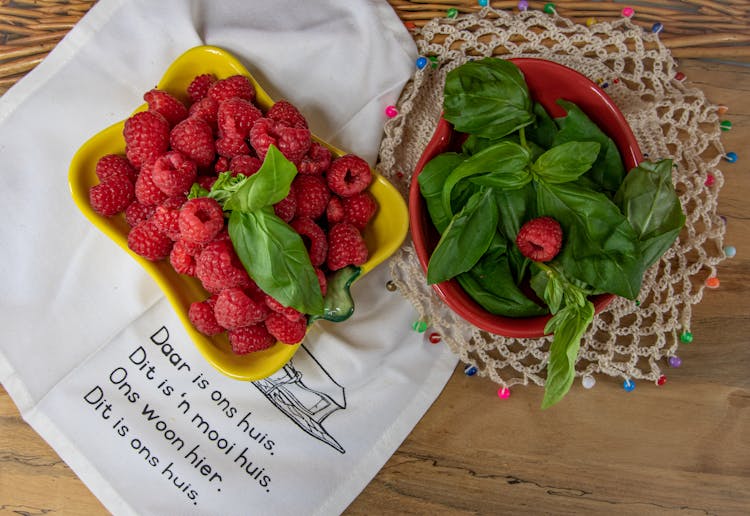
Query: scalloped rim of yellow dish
(384,234)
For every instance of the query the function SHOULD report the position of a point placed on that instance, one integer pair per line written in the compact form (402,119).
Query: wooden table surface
(683,448)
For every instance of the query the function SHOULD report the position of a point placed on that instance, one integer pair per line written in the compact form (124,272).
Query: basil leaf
(543,130)
(569,325)
(431,181)
(648,200)
(488,98)
(269,185)
(503,163)
(565,162)
(466,238)
(276,258)
(600,247)
(607,171)
(222,189)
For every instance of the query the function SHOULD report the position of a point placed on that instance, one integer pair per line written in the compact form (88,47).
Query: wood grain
(682,448)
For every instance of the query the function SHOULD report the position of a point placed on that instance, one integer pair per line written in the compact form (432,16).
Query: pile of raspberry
(173,144)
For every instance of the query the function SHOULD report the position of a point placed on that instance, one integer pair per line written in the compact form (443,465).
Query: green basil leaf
(467,237)
(269,185)
(225,186)
(276,258)
(488,98)
(197,191)
(565,162)
(543,130)
(608,170)
(431,181)
(650,203)
(600,247)
(505,164)
(570,325)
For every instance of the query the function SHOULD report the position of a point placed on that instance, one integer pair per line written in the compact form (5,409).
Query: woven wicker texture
(669,118)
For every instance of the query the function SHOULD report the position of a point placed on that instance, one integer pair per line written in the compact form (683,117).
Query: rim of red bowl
(544,79)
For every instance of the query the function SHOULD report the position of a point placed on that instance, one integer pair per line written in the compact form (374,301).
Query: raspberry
(234,86)
(112,196)
(136,213)
(345,246)
(146,136)
(167,215)
(312,196)
(250,338)
(147,241)
(286,208)
(221,165)
(235,309)
(201,219)
(174,173)
(283,111)
(286,331)
(207,110)
(540,239)
(349,175)
(316,161)
(201,314)
(322,281)
(218,267)
(314,238)
(231,146)
(182,257)
(287,311)
(145,190)
(236,116)
(198,87)
(166,105)
(293,142)
(195,139)
(206,181)
(359,209)
(245,165)
(335,210)
(115,165)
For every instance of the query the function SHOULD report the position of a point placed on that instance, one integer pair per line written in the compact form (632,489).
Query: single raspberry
(293,142)
(312,195)
(167,215)
(345,247)
(166,105)
(198,87)
(286,331)
(286,208)
(201,219)
(284,111)
(207,110)
(540,239)
(183,257)
(147,241)
(234,86)
(174,173)
(235,309)
(146,190)
(287,311)
(206,181)
(316,161)
(218,267)
(115,165)
(137,212)
(231,146)
(146,136)
(236,116)
(349,175)
(244,164)
(201,314)
(195,139)
(335,210)
(322,281)
(111,196)
(359,209)
(313,237)
(250,338)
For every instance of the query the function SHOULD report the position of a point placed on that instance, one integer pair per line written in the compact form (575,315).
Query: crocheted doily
(630,340)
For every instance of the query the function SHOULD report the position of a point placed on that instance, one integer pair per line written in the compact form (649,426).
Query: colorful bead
(470,370)
(590,21)
(679,76)
(731,157)
(433,61)
(549,8)
(710,180)
(675,361)
(588,381)
(637,302)
(730,251)
(605,85)
(452,12)
(628,12)
(503,393)
(713,282)
(721,109)
(686,337)
(391,111)
(628,385)
(419,326)
(435,337)
(725,125)
(410,25)
(421,62)
(391,286)
(483,3)
(723,219)
(523,5)
(657,27)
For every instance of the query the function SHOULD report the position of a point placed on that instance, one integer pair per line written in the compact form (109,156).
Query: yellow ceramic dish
(384,234)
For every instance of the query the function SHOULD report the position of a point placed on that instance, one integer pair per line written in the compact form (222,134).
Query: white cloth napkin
(83,324)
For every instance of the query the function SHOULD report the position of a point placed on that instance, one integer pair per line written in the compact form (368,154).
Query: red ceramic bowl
(547,82)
